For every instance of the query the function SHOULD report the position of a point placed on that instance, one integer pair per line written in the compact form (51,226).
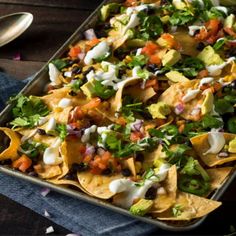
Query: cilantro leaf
(62,130)
(182,18)
(32,149)
(75,87)
(27,110)
(222,106)
(211,122)
(138,60)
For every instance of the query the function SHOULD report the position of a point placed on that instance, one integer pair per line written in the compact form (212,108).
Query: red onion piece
(72,131)
(17,57)
(45,191)
(90,150)
(90,34)
(137,125)
(179,108)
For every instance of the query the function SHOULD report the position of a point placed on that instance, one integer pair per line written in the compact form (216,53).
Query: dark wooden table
(54,21)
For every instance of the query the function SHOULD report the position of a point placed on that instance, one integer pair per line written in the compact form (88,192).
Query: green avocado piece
(107,9)
(171,57)
(210,57)
(207,104)
(232,146)
(141,208)
(176,76)
(88,88)
(159,110)
(229,21)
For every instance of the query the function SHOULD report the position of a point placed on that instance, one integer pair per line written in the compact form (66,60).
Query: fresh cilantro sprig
(61,129)
(32,149)
(103,91)
(27,110)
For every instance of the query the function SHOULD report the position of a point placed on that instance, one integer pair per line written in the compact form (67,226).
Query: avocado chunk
(176,77)
(141,208)
(210,57)
(207,104)
(88,88)
(229,21)
(159,110)
(107,9)
(171,57)
(232,146)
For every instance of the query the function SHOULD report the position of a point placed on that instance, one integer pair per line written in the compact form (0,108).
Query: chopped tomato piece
(23,163)
(230,31)
(121,121)
(87,159)
(130,3)
(152,83)
(74,51)
(93,103)
(91,43)
(150,48)
(170,41)
(203,73)
(155,59)
(135,136)
(106,156)
(82,149)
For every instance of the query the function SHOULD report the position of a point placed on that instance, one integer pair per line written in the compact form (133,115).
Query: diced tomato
(160,122)
(93,103)
(213,26)
(106,156)
(130,3)
(152,83)
(171,41)
(150,48)
(87,159)
(203,73)
(217,86)
(121,121)
(202,35)
(23,163)
(95,170)
(91,43)
(74,51)
(135,136)
(154,59)
(82,149)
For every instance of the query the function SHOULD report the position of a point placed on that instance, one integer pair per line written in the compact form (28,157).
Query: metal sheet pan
(35,87)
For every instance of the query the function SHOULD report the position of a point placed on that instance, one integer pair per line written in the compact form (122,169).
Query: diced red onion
(223,154)
(90,34)
(17,57)
(49,230)
(45,191)
(179,108)
(72,131)
(136,126)
(46,214)
(90,150)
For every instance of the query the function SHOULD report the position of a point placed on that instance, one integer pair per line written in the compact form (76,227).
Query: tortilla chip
(97,185)
(52,99)
(11,151)
(173,96)
(116,102)
(47,171)
(188,43)
(130,164)
(70,152)
(117,38)
(218,176)
(191,207)
(151,156)
(165,201)
(66,182)
(141,94)
(201,145)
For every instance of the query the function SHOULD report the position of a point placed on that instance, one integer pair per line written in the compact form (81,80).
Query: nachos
(140,112)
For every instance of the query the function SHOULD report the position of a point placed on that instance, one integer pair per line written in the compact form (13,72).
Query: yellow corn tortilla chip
(48,171)
(70,152)
(173,96)
(201,145)
(11,151)
(117,38)
(191,207)
(129,163)
(218,176)
(141,94)
(65,183)
(52,99)
(165,201)
(116,102)
(97,185)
